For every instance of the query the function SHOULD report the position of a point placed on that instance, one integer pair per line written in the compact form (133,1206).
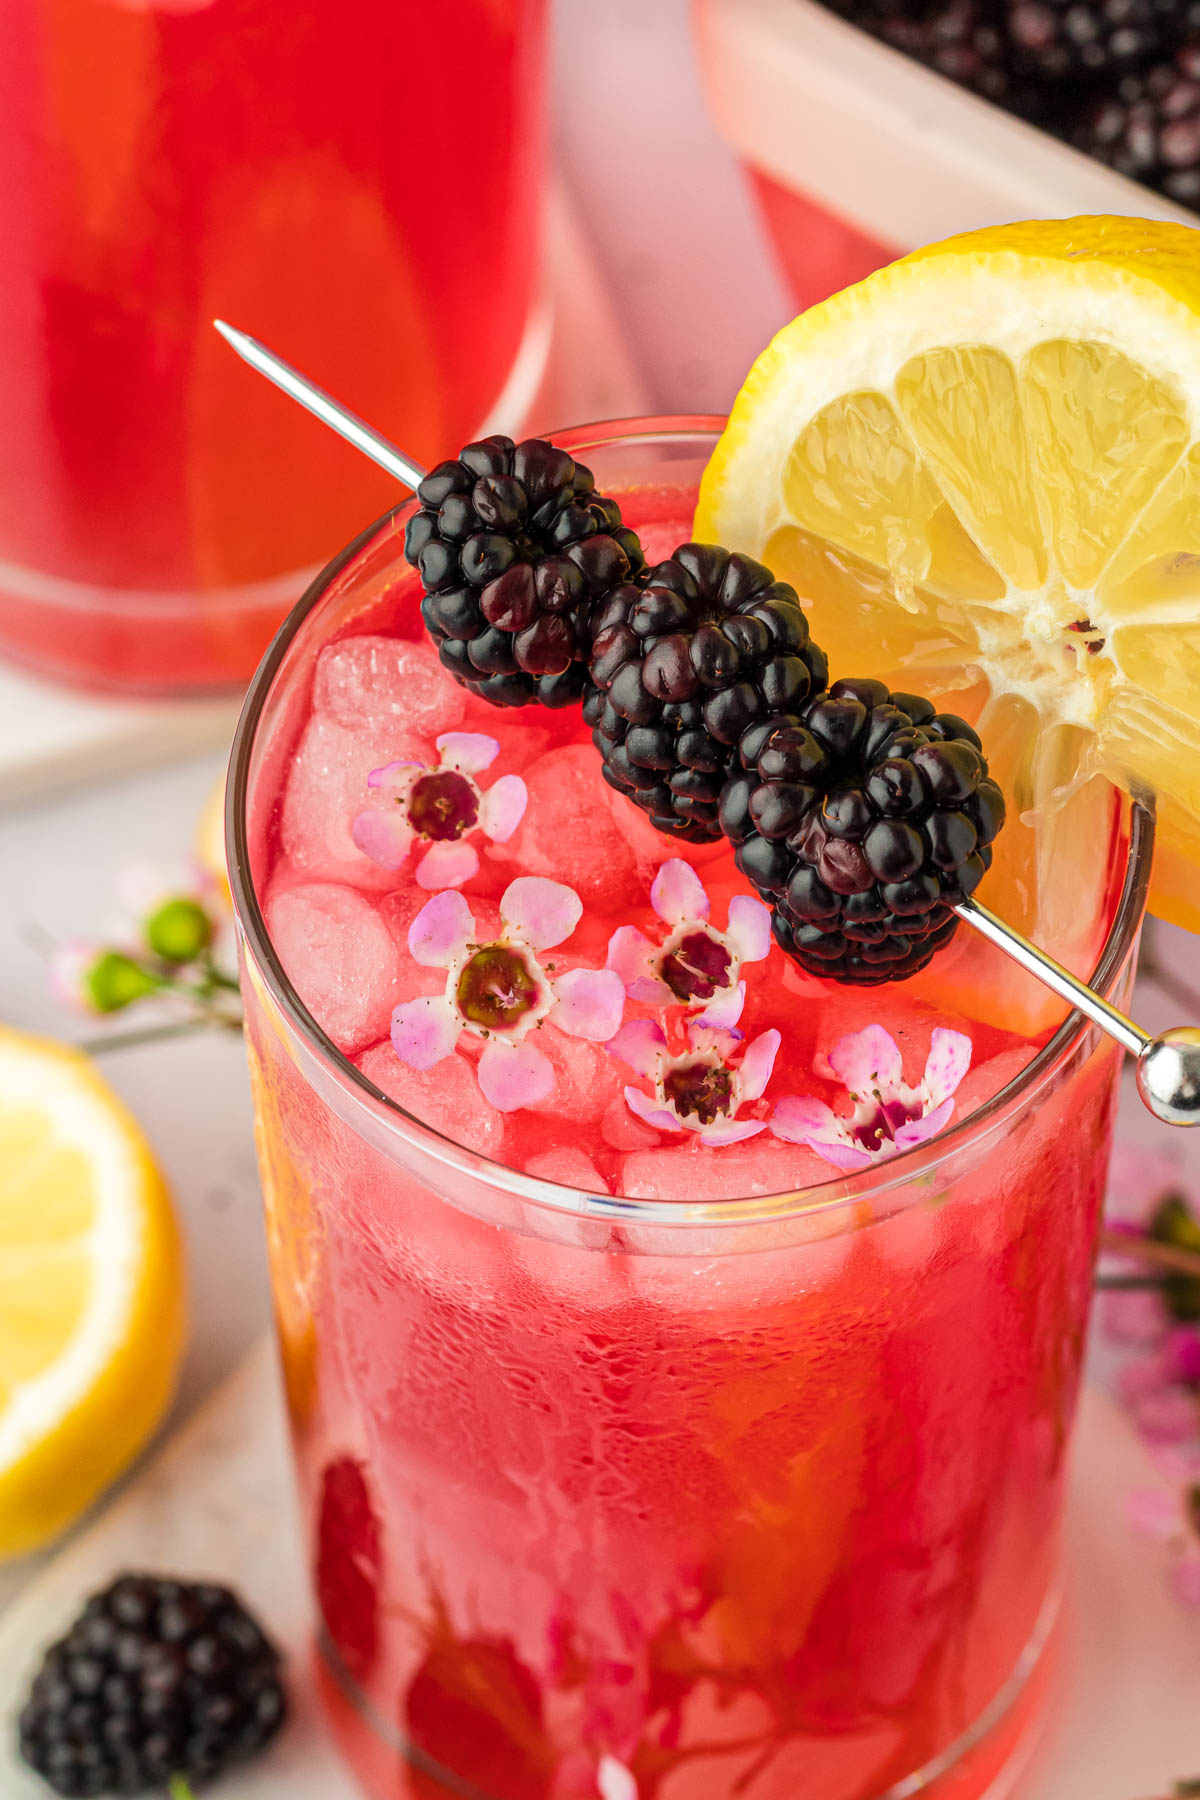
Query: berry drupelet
(862,818)
(961,39)
(1149,129)
(156,1679)
(1086,40)
(514,545)
(681,666)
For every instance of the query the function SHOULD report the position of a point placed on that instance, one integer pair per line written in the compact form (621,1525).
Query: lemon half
(981,470)
(91,1289)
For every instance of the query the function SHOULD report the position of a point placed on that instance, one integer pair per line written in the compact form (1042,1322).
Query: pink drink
(631,1467)
(357,182)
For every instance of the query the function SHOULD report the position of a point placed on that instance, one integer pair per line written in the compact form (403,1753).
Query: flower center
(497,988)
(442,805)
(698,967)
(881,1123)
(699,1088)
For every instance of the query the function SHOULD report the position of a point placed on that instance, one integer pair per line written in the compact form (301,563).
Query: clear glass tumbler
(611,1497)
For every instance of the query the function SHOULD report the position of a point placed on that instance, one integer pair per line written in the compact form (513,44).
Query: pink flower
(440,806)
(705,1087)
(500,992)
(1174,1518)
(888,1115)
(694,964)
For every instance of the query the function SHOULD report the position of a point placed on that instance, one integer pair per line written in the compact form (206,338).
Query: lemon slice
(91,1289)
(981,470)
(210,839)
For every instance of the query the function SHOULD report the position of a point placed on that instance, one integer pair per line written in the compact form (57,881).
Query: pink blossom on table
(501,991)
(440,805)
(693,964)
(704,1087)
(1173,1517)
(1138,1179)
(887,1114)
(1161,1389)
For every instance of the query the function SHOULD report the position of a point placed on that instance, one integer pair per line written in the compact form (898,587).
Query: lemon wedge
(210,839)
(981,470)
(91,1289)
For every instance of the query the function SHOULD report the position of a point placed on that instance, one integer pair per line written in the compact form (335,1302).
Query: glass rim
(841,1189)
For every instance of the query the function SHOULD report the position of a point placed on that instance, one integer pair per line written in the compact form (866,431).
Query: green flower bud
(114,981)
(179,930)
(1174,1223)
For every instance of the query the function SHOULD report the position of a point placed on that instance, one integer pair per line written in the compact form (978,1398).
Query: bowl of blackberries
(1117,79)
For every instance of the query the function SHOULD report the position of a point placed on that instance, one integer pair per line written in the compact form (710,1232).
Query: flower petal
(424,1032)
(467,751)
(447,864)
(396,777)
(441,930)
(589,1003)
(867,1060)
(757,1064)
(677,893)
(1157,1512)
(614,1781)
(733,1131)
(540,912)
(640,1043)
(386,837)
(841,1155)
(630,954)
(514,1075)
(797,1116)
(805,1120)
(749,928)
(502,808)
(949,1059)
(651,992)
(724,1010)
(1185,1578)
(649,1113)
(918,1131)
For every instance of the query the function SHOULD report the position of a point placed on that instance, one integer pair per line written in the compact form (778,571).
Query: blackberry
(155,1679)
(961,39)
(1073,40)
(862,817)
(513,546)
(1149,129)
(681,665)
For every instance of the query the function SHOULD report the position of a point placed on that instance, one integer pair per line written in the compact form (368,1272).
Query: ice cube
(570,833)
(981,1084)
(385,684)
(341,957)
(693,1172)
(587,1080)
(568,1166)
(446,1097)
(327,788)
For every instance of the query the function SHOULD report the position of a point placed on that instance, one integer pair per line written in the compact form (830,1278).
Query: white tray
(893,148)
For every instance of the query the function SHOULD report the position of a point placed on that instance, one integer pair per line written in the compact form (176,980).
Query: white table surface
(1127,1721)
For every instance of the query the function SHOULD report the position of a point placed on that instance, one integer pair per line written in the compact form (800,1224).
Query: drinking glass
(359,183)
(615,1497)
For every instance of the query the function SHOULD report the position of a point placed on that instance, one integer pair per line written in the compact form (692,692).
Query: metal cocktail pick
(1168,1066)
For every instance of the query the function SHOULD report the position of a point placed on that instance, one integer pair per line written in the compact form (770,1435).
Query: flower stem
(1150,1250)
(180,1788)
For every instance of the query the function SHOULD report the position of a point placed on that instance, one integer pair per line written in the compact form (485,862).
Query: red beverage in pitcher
(357,183)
